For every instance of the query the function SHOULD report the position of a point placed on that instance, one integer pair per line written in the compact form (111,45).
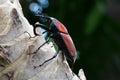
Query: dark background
(94,26)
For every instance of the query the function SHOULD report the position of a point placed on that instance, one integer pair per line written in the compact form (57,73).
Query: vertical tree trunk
(16,58)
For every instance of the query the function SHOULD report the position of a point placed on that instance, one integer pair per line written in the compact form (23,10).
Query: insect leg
(41,26)
(43,44)
(47,60)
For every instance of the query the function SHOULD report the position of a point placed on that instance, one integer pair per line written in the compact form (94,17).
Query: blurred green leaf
(93,20)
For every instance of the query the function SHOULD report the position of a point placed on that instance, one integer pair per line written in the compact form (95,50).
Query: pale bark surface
(16,60)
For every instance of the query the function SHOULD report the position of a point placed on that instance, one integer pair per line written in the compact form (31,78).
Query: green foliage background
(94,26)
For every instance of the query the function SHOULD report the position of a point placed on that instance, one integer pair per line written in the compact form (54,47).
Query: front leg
(34,30)
(41,26)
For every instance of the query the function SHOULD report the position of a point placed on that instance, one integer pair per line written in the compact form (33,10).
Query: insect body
(60,36)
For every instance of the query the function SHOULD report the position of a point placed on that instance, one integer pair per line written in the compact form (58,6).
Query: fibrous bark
(16,50)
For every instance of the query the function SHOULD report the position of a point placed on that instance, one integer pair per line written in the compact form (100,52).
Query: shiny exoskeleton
(60,36)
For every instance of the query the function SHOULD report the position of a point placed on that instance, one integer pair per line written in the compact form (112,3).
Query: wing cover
(69,43)
(61,27)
